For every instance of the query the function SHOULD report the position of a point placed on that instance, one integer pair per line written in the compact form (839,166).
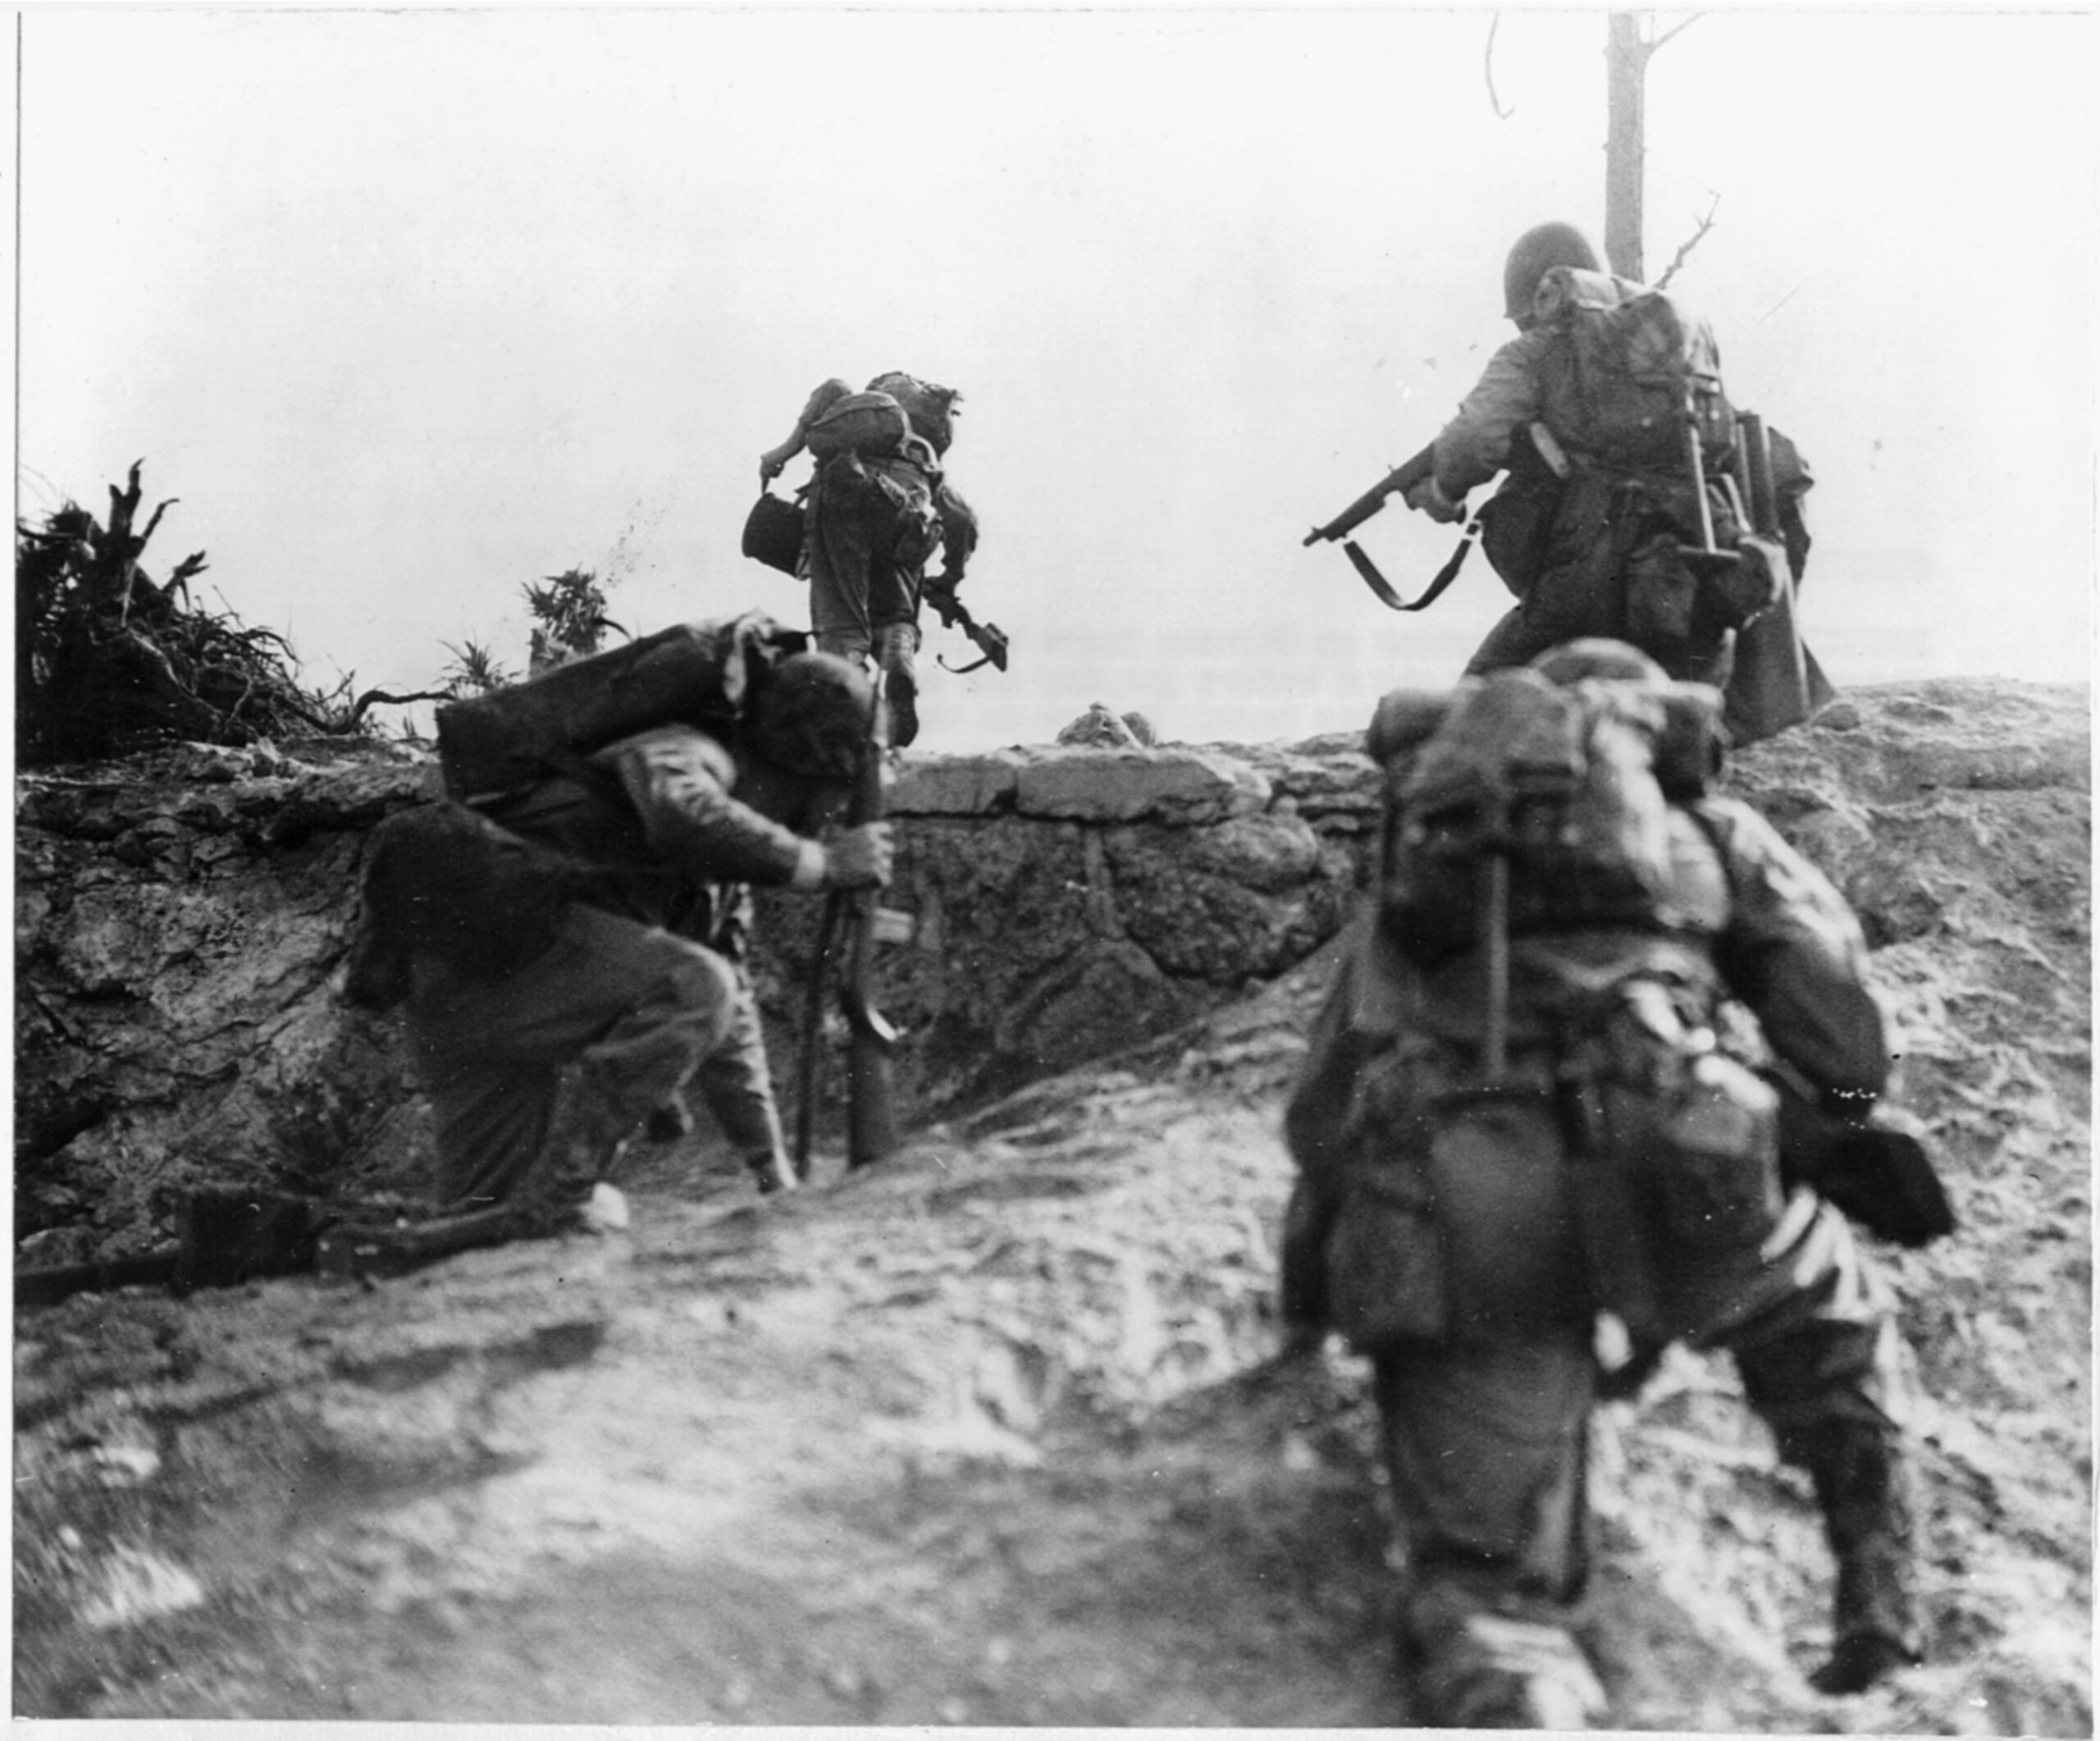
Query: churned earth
(982,1436)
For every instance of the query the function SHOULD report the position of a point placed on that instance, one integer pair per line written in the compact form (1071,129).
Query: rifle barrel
(1402,477)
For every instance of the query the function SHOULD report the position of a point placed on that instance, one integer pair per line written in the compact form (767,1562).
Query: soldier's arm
(681,783)
(1343,1040)
(1793,951)
(774,459)
(958,536)
(1475,444)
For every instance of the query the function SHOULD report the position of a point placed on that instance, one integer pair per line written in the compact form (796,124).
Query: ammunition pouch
(1517,523)
(1676,1149)
(1605,1173)
(1454,1222)
(1619,557)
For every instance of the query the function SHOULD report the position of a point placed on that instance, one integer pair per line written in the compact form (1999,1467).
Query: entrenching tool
(1776,681)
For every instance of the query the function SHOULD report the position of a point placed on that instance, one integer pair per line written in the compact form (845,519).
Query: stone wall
(179,918)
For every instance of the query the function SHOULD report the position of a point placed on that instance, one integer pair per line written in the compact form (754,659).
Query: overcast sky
(411,308)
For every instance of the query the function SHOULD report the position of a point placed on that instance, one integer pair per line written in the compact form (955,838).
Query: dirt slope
(963,1441)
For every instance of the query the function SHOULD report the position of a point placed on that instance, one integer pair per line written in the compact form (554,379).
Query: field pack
(1570,785)
(929,409)
(1640,358)
(872,425)
(696,672)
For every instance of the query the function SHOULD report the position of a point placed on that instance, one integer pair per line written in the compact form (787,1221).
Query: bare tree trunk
(1626,56)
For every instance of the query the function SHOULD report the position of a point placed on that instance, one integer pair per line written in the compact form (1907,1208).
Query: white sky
(410,308)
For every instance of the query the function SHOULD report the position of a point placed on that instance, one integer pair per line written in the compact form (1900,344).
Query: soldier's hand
(771,463)
(860,858)
(1427,498)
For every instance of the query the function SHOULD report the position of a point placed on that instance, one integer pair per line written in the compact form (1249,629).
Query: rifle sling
(1391,600)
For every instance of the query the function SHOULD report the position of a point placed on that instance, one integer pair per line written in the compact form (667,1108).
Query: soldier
(1528,1103)
(1589,526)
(877,506)
(540,1068)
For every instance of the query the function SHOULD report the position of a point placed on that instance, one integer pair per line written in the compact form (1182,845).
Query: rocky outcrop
(179,918)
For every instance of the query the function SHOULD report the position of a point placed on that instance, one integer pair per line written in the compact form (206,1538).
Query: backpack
(694,672)
(930,408)
(869,424)
(1637,357)
(1572,785)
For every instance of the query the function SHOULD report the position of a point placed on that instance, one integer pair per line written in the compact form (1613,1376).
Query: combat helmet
(1537,252)
(811,716)
(1600,657)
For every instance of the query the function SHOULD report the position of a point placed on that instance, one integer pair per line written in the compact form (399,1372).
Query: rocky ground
(972,1439)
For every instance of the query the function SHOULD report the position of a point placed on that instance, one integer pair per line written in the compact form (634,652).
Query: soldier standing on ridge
(878,506)
(1587,528)
(1524,1107)
(540,1069)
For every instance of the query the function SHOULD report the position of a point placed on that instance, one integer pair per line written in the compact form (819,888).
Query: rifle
(990,640)
(871,1116)
(812,1053)
(871,1111)
(226,1235)
(1398,481)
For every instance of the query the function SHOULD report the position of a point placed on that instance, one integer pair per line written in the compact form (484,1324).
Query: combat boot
(585,1134)
(772,1173)
(1863,1484)
(671,1123)
(1483,1653)
(1494,1672)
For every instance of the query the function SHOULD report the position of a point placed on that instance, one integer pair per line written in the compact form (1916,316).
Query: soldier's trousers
(893,647)
(1486,1437)
(538,1075)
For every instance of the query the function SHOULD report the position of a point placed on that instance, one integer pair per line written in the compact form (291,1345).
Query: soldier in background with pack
(1585,410)
(877,508)
(568,930)
(1532,1122)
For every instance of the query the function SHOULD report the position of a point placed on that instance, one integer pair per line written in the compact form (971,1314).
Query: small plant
(474,670)
(568,612)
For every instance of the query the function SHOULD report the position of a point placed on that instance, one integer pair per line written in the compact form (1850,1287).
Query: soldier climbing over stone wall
(877,508)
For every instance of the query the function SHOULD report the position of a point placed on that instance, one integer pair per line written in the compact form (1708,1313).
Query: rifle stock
(988,638)
(812,1055)
(1400,479)
(871,1112)
(229,1234)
